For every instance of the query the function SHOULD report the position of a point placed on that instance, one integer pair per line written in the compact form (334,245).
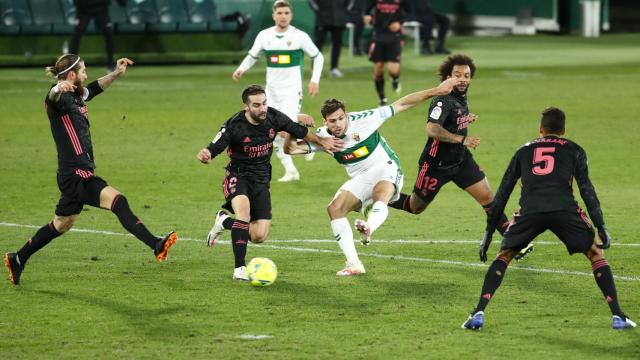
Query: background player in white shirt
(284,47)
(374,168)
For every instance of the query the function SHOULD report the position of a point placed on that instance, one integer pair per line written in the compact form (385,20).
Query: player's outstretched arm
(416,98)
(121,69)
(436,131)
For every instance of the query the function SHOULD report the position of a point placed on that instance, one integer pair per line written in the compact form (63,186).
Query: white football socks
(343,234)
(377,215)
(285,159)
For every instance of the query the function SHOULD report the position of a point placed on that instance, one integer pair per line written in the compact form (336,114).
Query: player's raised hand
(471,141)
(314,88)
(484,245)
(331,144)
(237,75)
(604,236)
(306,120)
(65,86)
(204,156)
(121,65)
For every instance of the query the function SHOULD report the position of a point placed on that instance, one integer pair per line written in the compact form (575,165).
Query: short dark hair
(280,4)
(61,68)
(330,106)
(552,121)
(452,60)
(251,90)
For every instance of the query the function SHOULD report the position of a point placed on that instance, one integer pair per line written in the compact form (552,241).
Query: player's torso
(456,120)
(364,148)
(250,144)
(284,57)
(547,169)
(69,119)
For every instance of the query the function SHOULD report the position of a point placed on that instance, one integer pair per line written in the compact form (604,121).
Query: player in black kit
(248,138)
(547,167)
(445,156)
(387,17)
(79,186)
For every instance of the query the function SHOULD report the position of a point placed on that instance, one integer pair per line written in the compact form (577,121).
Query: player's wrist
(464,138)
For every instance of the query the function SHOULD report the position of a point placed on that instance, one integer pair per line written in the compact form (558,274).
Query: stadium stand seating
(54,17)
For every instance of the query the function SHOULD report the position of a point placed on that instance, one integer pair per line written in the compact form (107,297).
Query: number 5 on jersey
(543,160)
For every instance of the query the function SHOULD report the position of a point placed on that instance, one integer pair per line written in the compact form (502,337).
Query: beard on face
(258,116)
(79,88)
(463,92)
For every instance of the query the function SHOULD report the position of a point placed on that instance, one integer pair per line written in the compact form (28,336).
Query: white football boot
(240,273)
(352,269)
(290,176)
(364,230)
(310,156)
(217,229)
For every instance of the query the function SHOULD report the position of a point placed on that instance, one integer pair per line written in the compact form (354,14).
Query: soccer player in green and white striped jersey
(284,47)
(374,169)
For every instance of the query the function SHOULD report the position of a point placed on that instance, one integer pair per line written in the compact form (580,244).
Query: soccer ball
(261,272)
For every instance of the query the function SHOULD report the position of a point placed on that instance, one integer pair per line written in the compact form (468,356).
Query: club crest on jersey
(356,137)
(436,112)
(272,134)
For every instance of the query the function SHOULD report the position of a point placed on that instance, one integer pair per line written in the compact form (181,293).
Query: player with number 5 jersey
(547,167)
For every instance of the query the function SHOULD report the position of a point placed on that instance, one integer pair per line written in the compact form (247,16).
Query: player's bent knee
(259,238)
(64,223)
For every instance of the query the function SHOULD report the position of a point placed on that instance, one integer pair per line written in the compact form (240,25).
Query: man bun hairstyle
(251,90)
(552,121)
(330,106)
(452,60)
(64,64)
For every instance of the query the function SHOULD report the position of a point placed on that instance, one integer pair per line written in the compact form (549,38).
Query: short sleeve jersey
(250,146)
(284,54)
(69,120)
(452,113)
(364,147)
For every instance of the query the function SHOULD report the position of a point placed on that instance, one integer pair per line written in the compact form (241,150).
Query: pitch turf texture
(96,293)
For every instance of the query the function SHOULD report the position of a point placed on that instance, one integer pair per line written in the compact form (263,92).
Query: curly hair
(452,60)
(251,90)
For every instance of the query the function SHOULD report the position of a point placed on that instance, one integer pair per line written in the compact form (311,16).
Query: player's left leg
(378,79)
(492,280)
(112,199)
(393,67)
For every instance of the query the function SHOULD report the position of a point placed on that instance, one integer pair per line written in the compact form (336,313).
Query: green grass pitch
(97,293)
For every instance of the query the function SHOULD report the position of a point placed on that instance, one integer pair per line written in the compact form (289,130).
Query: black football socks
(604,279)
(42,237)
(239,240)
(492,281)
(129,221)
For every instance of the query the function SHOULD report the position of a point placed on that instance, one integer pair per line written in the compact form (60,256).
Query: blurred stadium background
(34,32)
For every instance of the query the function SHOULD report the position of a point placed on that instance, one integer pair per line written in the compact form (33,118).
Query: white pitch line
(373,255)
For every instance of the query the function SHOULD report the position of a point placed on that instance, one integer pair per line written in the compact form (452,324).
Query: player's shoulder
(442,100)
(322,131)
(363,114)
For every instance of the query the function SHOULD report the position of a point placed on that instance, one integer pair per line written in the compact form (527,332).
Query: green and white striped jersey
(364,147)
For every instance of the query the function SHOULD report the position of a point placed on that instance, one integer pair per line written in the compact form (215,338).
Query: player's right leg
(427,185)
(387,180)
(17,261)
(340,206)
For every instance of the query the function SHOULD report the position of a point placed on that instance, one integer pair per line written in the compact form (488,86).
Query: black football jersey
(250,146)
(547,167)
(69,119)
(385,12)
(452,113)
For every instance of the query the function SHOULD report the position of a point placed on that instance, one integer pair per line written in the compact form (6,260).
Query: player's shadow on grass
(589,346)
(154,323)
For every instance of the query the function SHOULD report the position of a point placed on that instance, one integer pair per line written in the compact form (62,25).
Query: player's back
(547,168)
